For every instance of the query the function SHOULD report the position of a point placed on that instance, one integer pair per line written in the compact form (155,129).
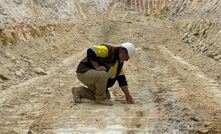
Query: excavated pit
(175,76)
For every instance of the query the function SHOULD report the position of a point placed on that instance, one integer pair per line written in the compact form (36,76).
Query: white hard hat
(130,48)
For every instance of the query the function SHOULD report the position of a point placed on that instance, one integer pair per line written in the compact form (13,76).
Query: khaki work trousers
(96,81)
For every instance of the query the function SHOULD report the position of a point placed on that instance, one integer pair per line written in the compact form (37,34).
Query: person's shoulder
(110,45)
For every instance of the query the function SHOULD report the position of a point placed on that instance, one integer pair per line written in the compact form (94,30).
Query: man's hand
(101,68)
(129,99)
(97,66)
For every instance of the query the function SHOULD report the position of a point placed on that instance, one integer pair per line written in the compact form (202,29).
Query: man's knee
(103,74)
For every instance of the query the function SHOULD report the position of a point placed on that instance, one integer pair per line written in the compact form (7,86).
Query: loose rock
(40,71)
(4,74)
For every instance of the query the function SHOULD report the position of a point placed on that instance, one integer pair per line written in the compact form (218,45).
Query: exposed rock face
(69,10)
(48,10)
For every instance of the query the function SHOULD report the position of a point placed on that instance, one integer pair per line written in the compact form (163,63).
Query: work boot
(108,94)
(76,94)
(106,102)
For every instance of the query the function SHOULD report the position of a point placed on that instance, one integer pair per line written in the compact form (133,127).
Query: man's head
(127,51)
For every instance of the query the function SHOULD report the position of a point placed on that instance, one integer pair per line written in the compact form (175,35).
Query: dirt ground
(175,89)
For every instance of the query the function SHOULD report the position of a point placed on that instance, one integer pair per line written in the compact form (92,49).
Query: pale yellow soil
(176,85)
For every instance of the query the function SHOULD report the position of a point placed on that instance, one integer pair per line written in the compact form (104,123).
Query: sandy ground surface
(172,92)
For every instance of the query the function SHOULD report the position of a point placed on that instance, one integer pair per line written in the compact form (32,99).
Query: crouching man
(100,69)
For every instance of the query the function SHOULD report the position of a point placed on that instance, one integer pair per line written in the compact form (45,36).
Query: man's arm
(123,85)
(127,95)
(92,58)
(97,66)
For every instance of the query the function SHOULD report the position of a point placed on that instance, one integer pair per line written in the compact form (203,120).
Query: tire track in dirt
(198,97)
(28,102)
(91,118)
